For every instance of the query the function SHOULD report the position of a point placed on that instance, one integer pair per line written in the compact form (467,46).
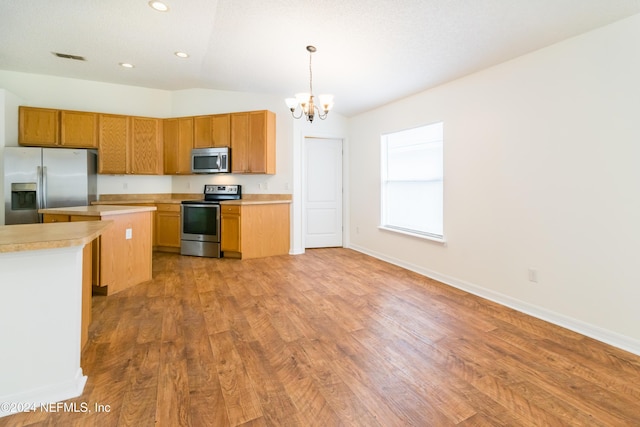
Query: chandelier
(308,108)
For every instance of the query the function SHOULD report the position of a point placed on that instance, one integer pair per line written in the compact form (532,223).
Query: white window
(412,181)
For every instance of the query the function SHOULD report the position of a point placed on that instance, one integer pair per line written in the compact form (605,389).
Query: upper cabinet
(78,129)
(38,126)
(178,142)
(129,145)
(150,146)
(45,127)
(113,144)
(253,142)
(211,131)
(146,146)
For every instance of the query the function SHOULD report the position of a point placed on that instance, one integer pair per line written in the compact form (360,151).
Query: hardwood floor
(334,337)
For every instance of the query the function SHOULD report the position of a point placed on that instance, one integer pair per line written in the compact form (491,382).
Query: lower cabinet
(230,230)
(254,230)
(167,227)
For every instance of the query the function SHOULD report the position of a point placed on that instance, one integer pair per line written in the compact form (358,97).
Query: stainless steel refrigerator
(36,178)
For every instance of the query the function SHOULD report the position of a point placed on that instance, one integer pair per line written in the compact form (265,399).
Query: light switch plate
(128,234)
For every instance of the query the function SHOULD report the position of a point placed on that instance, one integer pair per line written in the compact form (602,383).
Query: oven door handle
(201,205)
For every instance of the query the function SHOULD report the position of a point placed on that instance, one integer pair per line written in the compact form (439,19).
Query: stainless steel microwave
(211,160)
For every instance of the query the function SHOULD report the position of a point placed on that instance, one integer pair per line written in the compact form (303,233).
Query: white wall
(541,171)
(8,134)
(3,138)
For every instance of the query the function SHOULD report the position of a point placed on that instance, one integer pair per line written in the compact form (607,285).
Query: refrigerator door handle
(44,187)
(39,187)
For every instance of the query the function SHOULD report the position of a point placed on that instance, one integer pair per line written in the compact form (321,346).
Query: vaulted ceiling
(369,52)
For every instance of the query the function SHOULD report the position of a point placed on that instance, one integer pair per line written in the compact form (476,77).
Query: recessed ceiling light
(182,54)
(159,6)
(126,65)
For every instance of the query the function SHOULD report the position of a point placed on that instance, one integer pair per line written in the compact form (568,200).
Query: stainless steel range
(200,235)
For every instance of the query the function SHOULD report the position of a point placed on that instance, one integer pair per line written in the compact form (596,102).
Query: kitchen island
(122,255)
(41,311)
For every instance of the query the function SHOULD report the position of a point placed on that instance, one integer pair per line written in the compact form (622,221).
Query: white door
(323,192)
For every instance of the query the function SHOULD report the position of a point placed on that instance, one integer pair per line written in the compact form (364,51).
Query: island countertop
(30,237)
(97,210)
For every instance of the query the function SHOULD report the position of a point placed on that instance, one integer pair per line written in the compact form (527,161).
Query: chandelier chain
(310,75)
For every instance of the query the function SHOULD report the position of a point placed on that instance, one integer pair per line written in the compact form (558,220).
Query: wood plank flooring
(334,338)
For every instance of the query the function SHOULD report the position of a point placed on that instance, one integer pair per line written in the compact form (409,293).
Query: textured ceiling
(369,52)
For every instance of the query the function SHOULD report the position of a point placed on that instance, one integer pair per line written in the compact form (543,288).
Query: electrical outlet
(128,234)
(533,275)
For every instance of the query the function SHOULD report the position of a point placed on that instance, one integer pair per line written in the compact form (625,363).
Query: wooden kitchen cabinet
(239,142)
(55,218)
(254,230)
(146,146)
(113,144)
(177,143)
(253,142)
(129,145)
(38,126)
(168,227)
(78,129)
(135,145)
(230,229)
(212,131)
(44,127)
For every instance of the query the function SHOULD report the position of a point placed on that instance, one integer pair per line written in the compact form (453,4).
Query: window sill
(409,233)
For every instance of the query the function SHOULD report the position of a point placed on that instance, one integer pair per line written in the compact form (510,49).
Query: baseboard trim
(606,336)
(46,395)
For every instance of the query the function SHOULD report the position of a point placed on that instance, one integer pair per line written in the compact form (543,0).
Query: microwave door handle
(218,161)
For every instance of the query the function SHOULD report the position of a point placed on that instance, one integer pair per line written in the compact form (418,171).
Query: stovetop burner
(214,194)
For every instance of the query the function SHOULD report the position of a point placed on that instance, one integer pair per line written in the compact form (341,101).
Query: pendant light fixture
(308,108)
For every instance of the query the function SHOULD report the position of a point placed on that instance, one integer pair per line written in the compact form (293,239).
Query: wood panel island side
(122,255)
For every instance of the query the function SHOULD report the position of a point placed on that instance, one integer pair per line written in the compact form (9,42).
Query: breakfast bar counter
(31,237)
(96,210)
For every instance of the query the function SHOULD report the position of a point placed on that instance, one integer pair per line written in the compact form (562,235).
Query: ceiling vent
(69,56)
